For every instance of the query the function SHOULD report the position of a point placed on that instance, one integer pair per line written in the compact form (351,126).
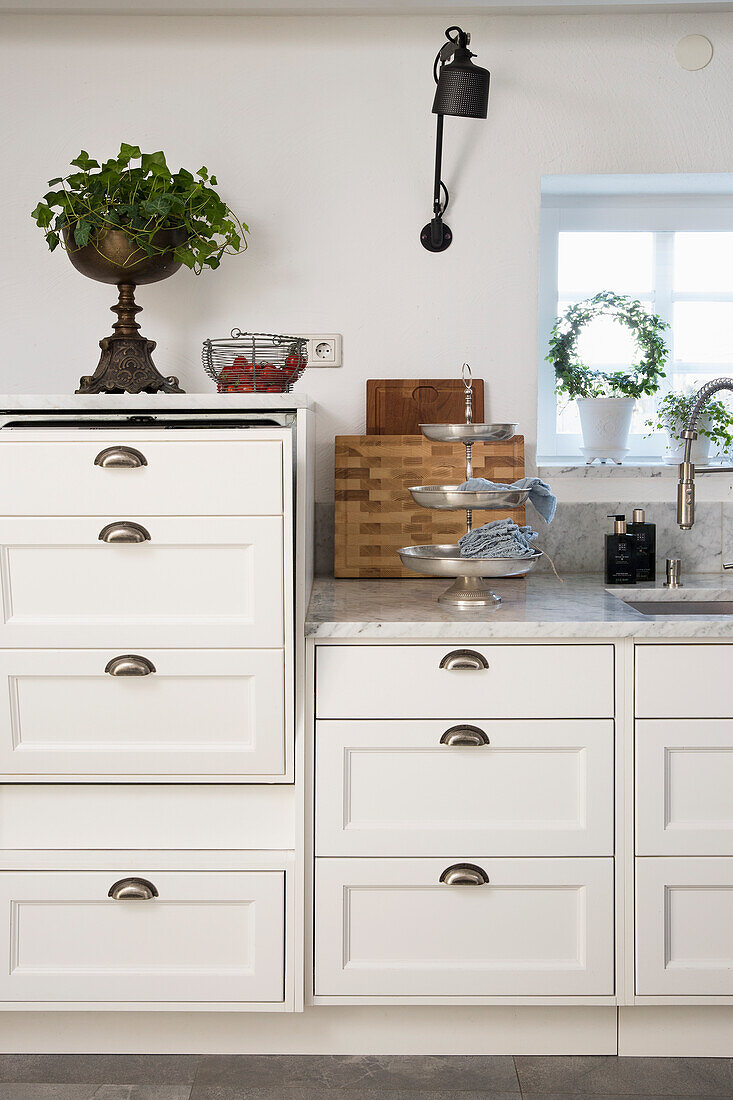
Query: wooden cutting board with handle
(375,513)
(398,406)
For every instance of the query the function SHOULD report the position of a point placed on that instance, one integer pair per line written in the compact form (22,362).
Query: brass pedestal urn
(126,363)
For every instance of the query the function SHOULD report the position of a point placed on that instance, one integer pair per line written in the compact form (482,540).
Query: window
(672,251)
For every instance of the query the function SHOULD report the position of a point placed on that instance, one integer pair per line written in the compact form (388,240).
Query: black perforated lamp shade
(463,88)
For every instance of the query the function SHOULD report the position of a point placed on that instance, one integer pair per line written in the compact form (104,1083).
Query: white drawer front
(521,681)
(196,582)
(541,927)
(201,712)
(208,936)
(684,681)
(392,788)
(85,817)
(230,474)
(684,927)
(684,787)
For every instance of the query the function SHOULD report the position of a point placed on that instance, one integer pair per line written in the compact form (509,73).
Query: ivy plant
(137,193)
(574,379)
(716,421)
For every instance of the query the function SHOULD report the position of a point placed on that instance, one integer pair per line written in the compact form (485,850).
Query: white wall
(321,135)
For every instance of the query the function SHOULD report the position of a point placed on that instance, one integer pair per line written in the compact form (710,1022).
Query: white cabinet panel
(390,927)
(684,787)
(207,712)
(87,817)
(194,582)
(216,936)
(684,681)
(205,473)
(521,681)
(684,927)
(392,788)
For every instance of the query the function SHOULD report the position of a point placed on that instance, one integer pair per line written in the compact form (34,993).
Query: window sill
(632,467)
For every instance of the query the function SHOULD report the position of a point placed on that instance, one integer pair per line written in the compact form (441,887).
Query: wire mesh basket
(255,362)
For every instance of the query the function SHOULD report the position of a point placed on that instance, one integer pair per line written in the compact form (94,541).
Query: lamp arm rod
(437,204)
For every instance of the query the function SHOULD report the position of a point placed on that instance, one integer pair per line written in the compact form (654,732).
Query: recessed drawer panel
(538,927)
(684,787)
(452,681)
(684,927)
(167,473)
(206,936)
(684,681)
(191,581)
(425,788)
(157,712)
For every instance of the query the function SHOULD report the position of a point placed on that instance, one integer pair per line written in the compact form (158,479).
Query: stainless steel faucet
(686,485)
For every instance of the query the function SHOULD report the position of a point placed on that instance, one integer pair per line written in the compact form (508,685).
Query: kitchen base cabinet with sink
(155,564)
(537,823)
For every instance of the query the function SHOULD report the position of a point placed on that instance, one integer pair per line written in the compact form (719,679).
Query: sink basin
(682,607)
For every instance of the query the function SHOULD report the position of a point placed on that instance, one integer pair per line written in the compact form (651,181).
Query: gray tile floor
(268,1077)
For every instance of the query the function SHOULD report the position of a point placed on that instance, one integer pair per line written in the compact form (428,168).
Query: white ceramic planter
(700,446)
(605,422)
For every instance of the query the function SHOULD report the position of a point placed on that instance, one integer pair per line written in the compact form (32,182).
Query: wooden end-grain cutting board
(375,514)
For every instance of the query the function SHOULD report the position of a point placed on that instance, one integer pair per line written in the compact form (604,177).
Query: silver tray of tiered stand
(468,433)
(451,497)
(468,589)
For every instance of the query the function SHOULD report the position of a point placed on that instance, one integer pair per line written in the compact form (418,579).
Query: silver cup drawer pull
(464,659)
(465,735)
(464,874)
(133,889)
(130,664)
(124,531)
(120,458)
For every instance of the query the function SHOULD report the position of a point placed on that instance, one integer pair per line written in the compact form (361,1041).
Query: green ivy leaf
(43,215)
(82,232)
(84,161)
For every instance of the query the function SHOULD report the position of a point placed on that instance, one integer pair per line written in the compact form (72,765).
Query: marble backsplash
(575,543)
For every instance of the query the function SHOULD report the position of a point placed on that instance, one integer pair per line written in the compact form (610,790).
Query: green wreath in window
(577,380)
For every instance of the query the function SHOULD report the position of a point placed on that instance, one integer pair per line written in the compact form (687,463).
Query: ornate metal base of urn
(126,363)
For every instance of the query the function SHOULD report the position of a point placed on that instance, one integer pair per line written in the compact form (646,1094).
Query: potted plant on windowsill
(606,400)
(132,221)
(714,426)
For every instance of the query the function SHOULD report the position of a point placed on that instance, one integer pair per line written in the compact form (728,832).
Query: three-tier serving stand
(468,588)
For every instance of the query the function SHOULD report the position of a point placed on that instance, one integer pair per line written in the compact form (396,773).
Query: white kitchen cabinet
(146,472)
(213,936)
(439,681)
(391,927)
(193,581)
(424,788)
(186,712)
(684,787)
(684,926)
(154,566)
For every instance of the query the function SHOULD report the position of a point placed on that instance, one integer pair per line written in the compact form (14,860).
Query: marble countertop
(538,607)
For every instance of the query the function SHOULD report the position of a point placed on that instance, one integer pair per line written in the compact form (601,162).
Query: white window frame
(662,215)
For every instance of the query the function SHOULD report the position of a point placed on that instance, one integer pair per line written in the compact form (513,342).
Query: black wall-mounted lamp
(463,90)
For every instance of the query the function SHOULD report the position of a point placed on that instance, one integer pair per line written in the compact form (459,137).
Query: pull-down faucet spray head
(686,484)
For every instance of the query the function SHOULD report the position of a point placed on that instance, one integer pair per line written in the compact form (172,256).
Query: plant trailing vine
(137,193)
(575,379)
(716,423)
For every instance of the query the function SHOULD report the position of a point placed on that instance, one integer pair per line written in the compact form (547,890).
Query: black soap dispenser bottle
(645,543)
(620,554)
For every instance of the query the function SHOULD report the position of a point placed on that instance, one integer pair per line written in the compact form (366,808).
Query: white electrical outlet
(323,350)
